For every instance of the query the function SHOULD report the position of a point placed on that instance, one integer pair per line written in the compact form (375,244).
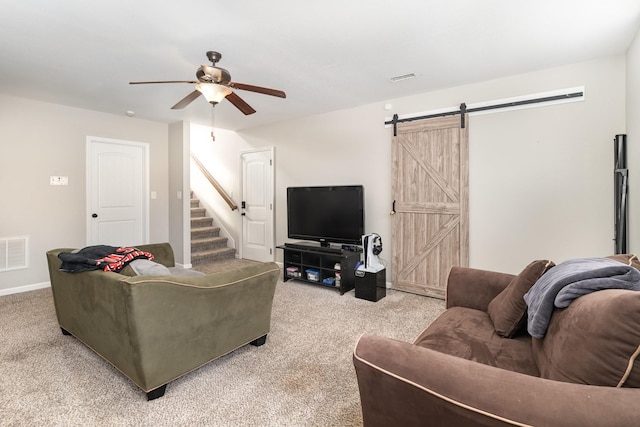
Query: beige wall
(541,178)
(633,142)
(38,140)
(179,190)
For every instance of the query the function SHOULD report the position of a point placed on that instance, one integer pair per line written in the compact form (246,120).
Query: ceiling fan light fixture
(213,92)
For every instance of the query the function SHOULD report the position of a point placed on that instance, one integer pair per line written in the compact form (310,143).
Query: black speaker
(371,286)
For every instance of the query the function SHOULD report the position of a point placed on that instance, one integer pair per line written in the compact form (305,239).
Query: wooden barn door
(430,226)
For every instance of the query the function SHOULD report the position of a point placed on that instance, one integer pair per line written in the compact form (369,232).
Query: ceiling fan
(215,84)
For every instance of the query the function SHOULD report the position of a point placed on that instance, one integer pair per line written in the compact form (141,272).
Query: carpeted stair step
(198,212)
(212,255)
(204,232)
(200,222)
(208,243)
(195,202)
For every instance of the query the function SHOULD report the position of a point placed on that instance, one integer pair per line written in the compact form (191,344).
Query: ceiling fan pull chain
(213,121)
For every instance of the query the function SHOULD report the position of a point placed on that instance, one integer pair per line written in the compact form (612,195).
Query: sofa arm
(404,384)
(162,253)
(473,288)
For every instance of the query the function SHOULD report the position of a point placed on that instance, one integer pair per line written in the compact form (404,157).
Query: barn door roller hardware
(464,110)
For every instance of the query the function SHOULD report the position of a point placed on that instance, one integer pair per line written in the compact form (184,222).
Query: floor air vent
(13,253)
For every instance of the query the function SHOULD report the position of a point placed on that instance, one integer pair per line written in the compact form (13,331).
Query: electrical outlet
(58,180)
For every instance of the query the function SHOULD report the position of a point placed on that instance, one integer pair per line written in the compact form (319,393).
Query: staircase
(206,244)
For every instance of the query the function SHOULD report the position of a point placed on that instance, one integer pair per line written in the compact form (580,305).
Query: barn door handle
(393,208)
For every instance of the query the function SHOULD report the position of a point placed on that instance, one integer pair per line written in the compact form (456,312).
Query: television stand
(316,264)
(311,246)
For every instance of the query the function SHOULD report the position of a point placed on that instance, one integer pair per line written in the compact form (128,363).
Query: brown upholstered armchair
(155,329)
(461,372)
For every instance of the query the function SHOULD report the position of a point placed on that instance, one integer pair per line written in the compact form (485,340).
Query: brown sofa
(155,329)
(476,365)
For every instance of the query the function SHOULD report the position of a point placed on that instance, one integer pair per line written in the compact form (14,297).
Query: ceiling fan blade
(258,89)
(163,81)
(240,104)
(186,100)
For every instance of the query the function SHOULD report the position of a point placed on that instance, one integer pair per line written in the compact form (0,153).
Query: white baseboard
(25,288)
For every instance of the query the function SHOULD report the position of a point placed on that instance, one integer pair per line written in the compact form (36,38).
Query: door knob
(95,215)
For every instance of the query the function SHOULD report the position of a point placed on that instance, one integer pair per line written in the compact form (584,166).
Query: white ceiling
(326,55)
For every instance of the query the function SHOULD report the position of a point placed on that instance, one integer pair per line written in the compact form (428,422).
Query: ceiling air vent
(13,253)
(403,77)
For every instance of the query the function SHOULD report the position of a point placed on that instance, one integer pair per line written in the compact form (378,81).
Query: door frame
(145,189)
(271,151)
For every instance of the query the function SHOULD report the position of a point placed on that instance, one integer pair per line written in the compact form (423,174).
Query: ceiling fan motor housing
(208,74)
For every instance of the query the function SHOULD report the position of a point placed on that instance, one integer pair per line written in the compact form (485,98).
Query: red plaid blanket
(116,261)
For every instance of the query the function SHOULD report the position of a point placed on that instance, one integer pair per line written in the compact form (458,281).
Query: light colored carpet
(302,376)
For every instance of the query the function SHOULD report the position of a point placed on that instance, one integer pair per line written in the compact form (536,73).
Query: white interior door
(257,205)
(117,192)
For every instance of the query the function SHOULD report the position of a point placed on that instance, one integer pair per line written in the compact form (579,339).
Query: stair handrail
(214,183)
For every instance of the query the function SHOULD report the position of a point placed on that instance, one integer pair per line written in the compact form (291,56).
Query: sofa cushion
(508,310)
(468,333)
(595,340)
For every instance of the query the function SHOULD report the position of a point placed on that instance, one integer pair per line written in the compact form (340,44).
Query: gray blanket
(571,279)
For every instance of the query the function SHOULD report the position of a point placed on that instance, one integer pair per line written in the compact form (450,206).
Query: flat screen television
(330,214)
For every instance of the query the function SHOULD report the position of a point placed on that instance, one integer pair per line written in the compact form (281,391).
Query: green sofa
(155,329)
